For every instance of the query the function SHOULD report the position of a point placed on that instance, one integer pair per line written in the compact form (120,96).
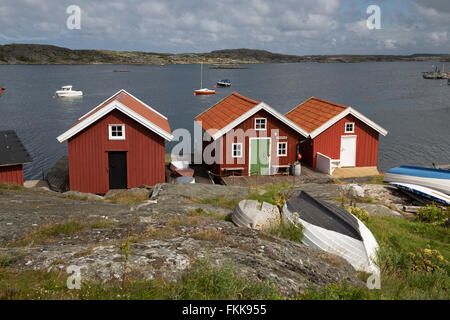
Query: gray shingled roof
(12,150)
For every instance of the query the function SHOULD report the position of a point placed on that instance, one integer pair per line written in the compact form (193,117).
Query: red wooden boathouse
(338,135)
(12,157)
(119,144)
(265,141)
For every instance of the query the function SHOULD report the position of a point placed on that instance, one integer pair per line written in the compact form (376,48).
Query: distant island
(48,54)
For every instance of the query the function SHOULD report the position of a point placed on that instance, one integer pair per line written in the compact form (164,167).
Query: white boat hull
(423,191)
(360,254)
(442,185)
(65,94)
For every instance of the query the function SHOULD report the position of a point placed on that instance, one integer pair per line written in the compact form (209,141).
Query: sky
(300,27)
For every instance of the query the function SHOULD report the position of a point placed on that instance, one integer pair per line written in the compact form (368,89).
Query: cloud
(288,26)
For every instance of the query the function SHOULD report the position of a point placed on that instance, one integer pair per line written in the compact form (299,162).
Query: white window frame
(111,137)
(278,149)
(353,127)
(265,124)
(240,150)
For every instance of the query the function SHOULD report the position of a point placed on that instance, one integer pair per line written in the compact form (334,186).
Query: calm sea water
(416,112)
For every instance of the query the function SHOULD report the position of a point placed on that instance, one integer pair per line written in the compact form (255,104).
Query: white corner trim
(341,115)
(107,109)
(251,112)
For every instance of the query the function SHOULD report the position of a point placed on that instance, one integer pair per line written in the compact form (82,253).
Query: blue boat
(436,179)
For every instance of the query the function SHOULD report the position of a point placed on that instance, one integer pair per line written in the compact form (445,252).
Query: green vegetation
(273,194)
(220,202)
(361,214)
(288,231)
(402,243)
(49,232)
(201,281)
(376,180)
(199,212)
(11,187)
(336,292)
(128,198)
(433,214)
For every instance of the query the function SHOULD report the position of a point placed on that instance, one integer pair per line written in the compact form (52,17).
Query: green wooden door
(259,157)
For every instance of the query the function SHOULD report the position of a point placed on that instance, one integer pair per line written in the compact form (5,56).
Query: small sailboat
(66,91)
(203,91)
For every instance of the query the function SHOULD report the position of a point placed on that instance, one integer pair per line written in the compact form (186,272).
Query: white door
(348,151)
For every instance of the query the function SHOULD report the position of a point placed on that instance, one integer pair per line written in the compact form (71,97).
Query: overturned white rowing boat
(333,229)
(256,215)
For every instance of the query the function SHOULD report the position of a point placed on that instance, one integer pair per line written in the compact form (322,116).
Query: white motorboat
(335,230)
(66,91)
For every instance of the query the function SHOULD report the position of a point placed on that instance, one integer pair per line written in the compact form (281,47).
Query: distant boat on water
(224,83)
(1,90)
(436,74)
(203,91)
(66,91)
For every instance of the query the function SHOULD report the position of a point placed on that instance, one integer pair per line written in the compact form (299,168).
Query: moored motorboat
(224,83)
(333,229)
(436,179)
(66,91)
(421,191)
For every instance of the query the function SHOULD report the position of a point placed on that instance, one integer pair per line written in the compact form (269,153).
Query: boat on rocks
(436,179)
(255,215)
(424,192)
(334,230)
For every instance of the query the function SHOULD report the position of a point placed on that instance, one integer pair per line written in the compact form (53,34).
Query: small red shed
(12,157)
(338,135)
(119,144)
(247,137)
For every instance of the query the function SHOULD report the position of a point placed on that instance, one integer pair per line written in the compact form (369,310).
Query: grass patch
(339,292)
(220,202)
(128,198)
(273,194)
(201,282)
(287,231)
(376,180)
(199,212)
(398,239)
(50,232)
(11,187)
(165,232)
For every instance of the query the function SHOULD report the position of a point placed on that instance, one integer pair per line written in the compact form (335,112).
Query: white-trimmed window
(260,123)
(236,150)
(116,131)
(282,149)
(349,127)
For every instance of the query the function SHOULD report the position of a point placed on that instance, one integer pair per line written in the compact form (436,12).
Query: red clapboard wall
(11,174)
(88,155)
(329,142)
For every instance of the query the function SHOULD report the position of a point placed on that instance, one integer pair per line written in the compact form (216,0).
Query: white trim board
(107,109)
(341,115)
(251,112)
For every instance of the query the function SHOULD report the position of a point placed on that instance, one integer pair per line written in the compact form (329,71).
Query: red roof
(226,111)
(135,105)
(314,112)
